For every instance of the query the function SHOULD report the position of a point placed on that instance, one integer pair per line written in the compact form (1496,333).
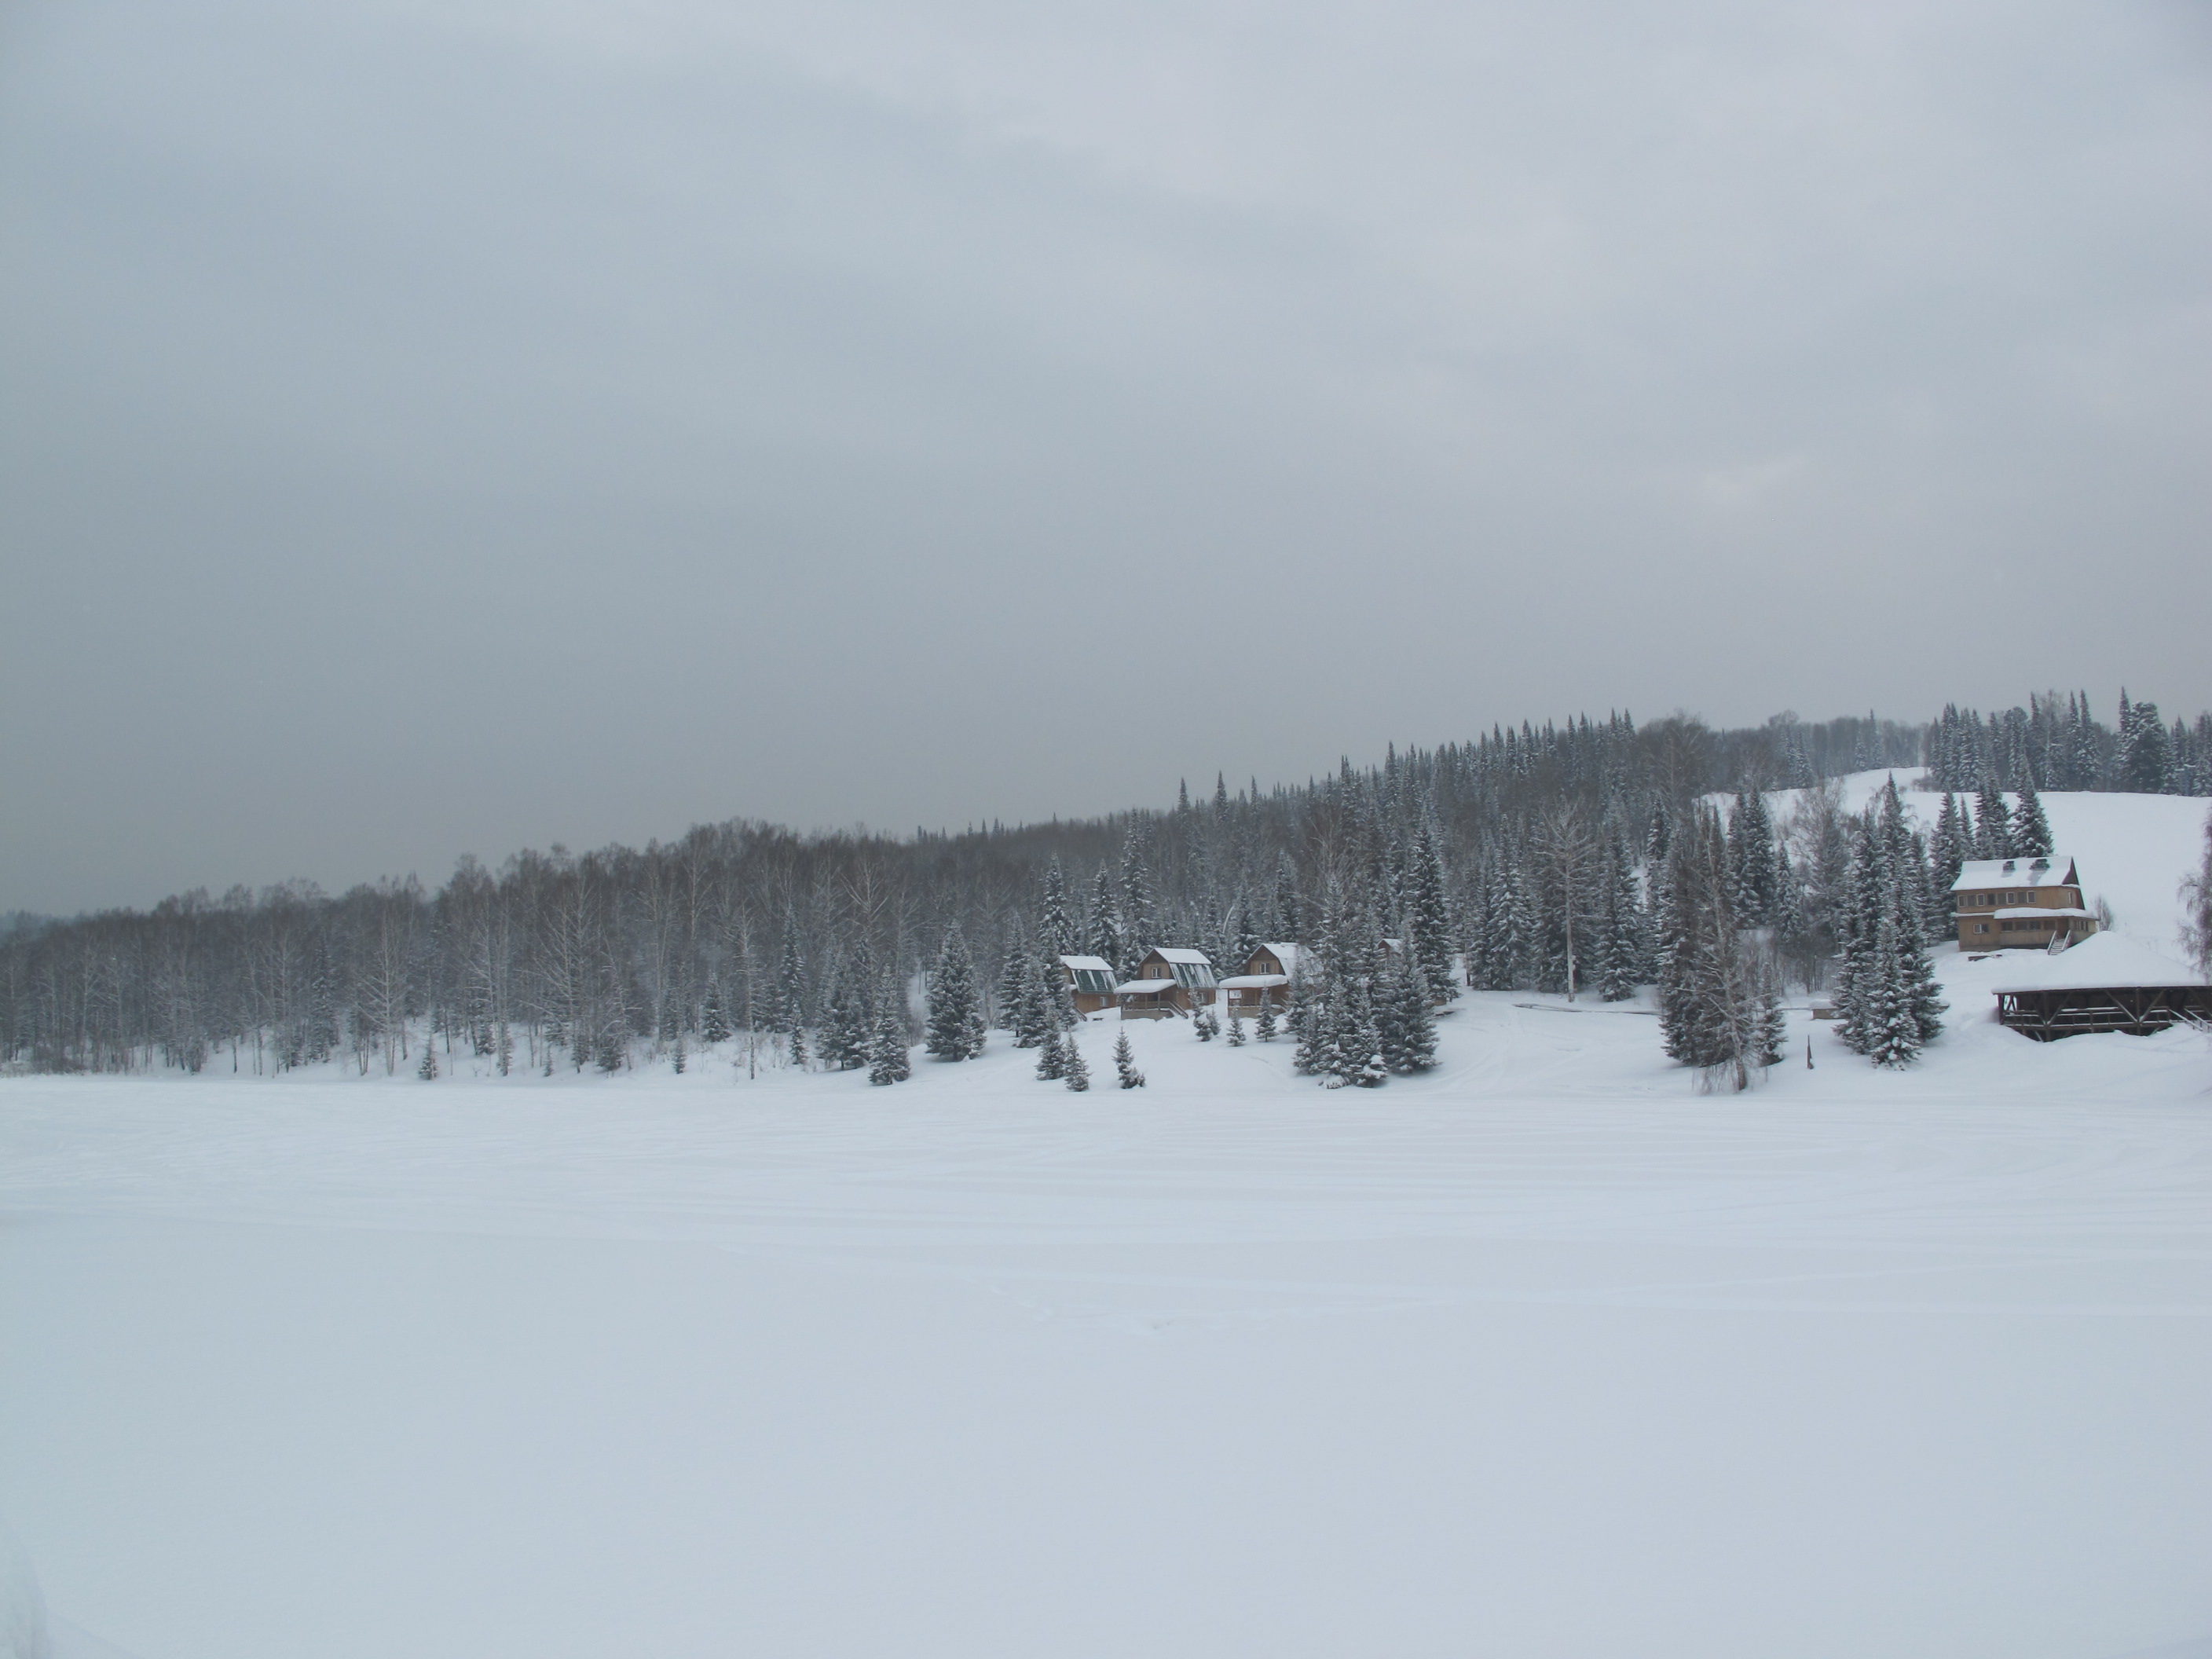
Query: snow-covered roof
(1088,964)
(1251,981)
(2056,871)
(2037,910)
(1146,987)
(1286,953)
(1199,957)
(2100,960)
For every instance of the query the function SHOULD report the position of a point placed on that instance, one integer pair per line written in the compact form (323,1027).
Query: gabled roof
(1286,953)
(2101,962)
(1181,956)
(1089,965)
(2055,871)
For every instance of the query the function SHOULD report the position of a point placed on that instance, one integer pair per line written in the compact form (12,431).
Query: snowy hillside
(2133,851)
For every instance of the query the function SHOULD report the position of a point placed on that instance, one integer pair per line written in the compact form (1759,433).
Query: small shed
(1168,982)
(2105,983)
(1090,980)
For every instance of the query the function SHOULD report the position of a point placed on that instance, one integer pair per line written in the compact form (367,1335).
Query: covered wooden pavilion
(2105,983)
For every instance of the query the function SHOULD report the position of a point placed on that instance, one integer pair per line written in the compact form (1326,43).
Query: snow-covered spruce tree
(1886,974)
(1236,1029)
(1060,996)
(2031,828)
(1367,1069)
(1051,1055)
(1951,846)
(1203,1024)
(1710,1001)
(1302,1008)
(1494,951)
(1922,996)
(1619,945)
(1771,1031)
(1014,968)
(1343,1042)
(1125,1063)
(2146,750)
(890,1059)
(847,1023)
(789,1013)
(1685,917)
(1857,921)
(1475,929)
(1076,1069)
(955,1028)
(1406,1017)
(1056,930)
(610,1053)
(1992,822)
(1105,940)
(1140,918)
(1248,938)
(1892,1034)
(1427,905)
(427,1071)
(1798,939)
(1797,764)
(2196,897)
(1289,924)
(1750,859)
(1314,1017)
(1264,1027)
(1516,941)
(1030,1007)
(1906,855)
(714,1018)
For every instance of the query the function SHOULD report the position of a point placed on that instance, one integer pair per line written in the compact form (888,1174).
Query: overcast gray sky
(431,427)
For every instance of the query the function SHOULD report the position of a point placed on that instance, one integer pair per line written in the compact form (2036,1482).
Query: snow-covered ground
(1544,1354)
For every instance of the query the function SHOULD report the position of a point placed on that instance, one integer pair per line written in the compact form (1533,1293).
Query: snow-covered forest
(1592,858)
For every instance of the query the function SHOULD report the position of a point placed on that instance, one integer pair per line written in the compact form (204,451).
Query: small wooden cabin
(2013,905)
(1264,981)
(1090,980)
(1169,983)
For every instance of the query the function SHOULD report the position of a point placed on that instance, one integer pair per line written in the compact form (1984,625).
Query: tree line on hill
(1577,858)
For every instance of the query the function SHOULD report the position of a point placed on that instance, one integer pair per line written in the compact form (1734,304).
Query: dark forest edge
(1572,858)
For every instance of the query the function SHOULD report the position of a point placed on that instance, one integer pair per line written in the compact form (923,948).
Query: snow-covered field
(1544,1354)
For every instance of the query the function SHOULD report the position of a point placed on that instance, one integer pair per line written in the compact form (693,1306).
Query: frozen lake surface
(1545,1354)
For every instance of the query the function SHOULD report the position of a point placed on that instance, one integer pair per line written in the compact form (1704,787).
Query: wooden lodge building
(1169,984)
(2011,904)
(1265,982)
(1090,980)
